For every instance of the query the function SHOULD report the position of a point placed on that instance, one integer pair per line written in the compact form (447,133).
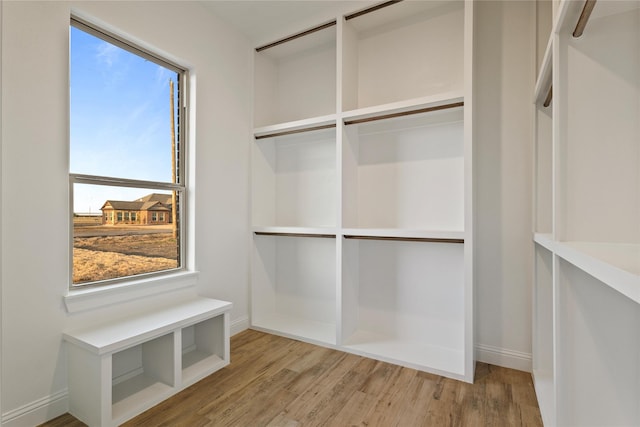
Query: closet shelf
(410,353)
(411,106)
(296,327)
(404,235)
(545,240)
(370,9)
(615,264)
(297,126)
(297,36)
(296,231)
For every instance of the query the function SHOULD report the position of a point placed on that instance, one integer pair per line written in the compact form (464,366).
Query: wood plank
(278,382)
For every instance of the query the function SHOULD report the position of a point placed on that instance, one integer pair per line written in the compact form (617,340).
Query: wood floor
(274,381)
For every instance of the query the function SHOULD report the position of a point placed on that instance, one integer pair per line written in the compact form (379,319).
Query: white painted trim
(239,325)
(92,298)
(503,357)
(39,411)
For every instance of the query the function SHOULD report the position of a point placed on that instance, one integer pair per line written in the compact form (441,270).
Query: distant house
(153,209)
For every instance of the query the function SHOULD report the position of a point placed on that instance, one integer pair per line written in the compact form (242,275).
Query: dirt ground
(109,256)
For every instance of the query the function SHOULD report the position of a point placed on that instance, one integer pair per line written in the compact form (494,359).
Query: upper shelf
(410,106)
(404,234)
(297,126)
(615,264)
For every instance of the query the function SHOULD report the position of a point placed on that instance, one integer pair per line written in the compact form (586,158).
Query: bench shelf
(121,369)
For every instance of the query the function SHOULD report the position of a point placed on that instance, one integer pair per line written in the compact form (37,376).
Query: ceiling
(268,20)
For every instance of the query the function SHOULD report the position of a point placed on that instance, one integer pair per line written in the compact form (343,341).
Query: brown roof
(121,205)
(156,197)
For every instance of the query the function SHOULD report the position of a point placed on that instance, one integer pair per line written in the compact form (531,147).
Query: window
(127,115)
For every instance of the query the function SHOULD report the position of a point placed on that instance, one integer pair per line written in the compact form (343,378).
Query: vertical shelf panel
(404,51)
(296,79)
(543,334)
(294,287)
(294,180)
(404,302)
(405,173)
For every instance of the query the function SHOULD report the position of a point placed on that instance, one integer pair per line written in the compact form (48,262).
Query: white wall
(35,183)
(505,74)
(35,233)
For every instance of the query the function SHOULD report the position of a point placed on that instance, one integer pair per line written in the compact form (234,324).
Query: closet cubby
(153,377)
(405,173)
(294,286)
(295,78)
(404,51)
(362,196)
(203,349)
(295,180)
(404,302)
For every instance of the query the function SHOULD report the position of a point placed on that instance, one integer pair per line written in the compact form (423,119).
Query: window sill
(92,298)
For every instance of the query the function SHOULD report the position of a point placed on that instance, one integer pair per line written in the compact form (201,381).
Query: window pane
(120,112)
(121,232)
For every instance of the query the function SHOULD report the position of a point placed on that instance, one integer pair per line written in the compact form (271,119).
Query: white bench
(169,349)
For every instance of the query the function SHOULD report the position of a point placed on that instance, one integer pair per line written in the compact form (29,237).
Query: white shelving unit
(119,370)
(362,207)
(587,227)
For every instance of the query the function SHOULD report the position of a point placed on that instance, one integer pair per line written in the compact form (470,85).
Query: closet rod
(296,36)
(291,132)
(407,239)
(547,100)
(584,18)
(404,113)
(322,236)
(371,9)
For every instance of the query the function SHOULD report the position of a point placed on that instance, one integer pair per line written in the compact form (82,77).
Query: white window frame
(80,296)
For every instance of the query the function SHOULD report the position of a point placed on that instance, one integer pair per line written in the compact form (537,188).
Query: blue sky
(120,119)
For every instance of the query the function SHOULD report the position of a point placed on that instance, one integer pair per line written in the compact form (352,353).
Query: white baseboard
(39,411)
(503,357)
(239,325)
